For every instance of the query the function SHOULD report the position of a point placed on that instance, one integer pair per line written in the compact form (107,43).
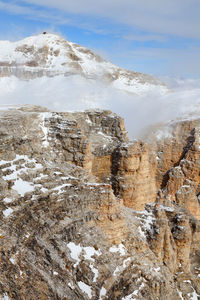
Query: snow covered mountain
(62,76)
(50,55)
(47,70)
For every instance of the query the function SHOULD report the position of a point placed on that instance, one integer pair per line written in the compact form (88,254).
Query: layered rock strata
(74,219)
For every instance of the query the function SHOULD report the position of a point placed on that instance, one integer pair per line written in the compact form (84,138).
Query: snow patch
(44,190)
(103,292)
(131,296)
(117,270)
(180,295)
(141,232)
(23,187)
(148,222)
(126,261)
(5,297)
(71,285)
(135,293)
(75,252)
(194,296)
(43,117)
(7,200)
(7,212)
(120,248)
(60,188)
(157,269)
(95,271)
(89,252)
(122,267)
(167,208)
(85,288)
(12,260)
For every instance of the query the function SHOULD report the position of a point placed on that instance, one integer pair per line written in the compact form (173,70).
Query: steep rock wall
(178,166)
(63,232)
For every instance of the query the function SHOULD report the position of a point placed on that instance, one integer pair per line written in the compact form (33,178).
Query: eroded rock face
(74,220)
(179,180)
(134,178)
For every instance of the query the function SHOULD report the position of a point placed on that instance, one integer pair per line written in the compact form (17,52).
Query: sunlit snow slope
(51,55)
(62,76)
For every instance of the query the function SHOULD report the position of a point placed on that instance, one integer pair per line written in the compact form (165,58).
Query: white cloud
(76,93)
(175,17)
(32,13)
(145,37)
(15,8)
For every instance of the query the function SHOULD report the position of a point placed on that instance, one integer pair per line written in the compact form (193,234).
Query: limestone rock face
(134,178)
(178,164)
(86,214)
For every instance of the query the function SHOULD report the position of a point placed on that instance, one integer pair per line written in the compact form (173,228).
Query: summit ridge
(51,55)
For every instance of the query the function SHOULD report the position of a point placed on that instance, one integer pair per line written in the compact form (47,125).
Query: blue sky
(160,37)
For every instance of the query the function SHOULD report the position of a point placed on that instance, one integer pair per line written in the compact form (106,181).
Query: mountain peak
(41,38)
(48,54)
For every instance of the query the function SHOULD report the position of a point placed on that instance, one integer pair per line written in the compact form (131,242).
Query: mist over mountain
(63,76)
(51,55)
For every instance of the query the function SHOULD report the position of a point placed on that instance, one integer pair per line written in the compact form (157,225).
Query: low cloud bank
(75,93)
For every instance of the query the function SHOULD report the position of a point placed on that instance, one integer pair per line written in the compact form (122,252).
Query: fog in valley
(75,93)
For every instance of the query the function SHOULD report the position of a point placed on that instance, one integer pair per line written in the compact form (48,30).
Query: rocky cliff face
(177,170)
(86,214)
